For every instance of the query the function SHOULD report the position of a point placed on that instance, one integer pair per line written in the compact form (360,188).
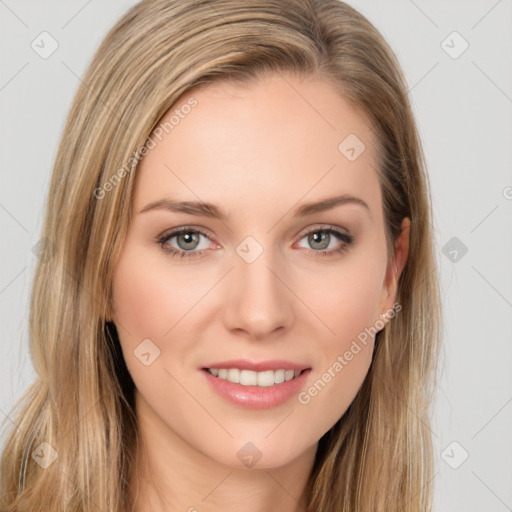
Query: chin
(260,454)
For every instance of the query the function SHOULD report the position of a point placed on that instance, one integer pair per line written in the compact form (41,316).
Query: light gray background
(464,112)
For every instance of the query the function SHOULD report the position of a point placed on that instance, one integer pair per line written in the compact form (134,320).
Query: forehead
(281,136)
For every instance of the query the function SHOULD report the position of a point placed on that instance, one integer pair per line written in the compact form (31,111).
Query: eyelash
(175,253)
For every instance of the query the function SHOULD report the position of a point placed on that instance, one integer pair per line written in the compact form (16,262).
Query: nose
(258,300)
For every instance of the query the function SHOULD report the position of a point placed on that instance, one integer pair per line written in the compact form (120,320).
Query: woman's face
(263,280)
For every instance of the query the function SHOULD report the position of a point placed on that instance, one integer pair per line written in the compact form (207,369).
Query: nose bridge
(259,302)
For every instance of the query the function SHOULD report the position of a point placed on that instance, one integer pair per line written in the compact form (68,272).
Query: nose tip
(258,303)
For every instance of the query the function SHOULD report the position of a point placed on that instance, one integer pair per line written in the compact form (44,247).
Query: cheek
(346,297)
(149,299)
(154,302)
(148,302)
(347,303)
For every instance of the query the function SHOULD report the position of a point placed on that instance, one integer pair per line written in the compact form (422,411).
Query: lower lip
(257,397)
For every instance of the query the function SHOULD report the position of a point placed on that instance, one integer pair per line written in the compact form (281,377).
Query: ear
(395,267)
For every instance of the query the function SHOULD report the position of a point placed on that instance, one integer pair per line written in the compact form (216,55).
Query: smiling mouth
(251,378)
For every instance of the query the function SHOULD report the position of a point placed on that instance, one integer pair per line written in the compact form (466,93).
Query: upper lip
(261,366)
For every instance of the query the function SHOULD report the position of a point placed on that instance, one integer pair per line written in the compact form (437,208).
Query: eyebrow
(204,209)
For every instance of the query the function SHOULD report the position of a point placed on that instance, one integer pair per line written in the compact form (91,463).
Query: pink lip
(244,364)
(256,397)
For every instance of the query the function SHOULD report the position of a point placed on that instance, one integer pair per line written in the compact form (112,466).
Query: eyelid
(176,231)
(322,227)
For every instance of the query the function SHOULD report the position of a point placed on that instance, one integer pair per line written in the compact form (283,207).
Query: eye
(320,240)
(187,241)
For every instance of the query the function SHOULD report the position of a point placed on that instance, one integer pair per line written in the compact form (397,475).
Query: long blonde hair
(378,455)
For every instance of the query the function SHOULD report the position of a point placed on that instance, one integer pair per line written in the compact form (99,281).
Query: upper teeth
(250,378)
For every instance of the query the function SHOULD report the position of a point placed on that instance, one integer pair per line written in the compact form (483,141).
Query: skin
(258,152)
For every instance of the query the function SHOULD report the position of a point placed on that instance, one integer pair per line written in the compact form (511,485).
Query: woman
(240,304)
